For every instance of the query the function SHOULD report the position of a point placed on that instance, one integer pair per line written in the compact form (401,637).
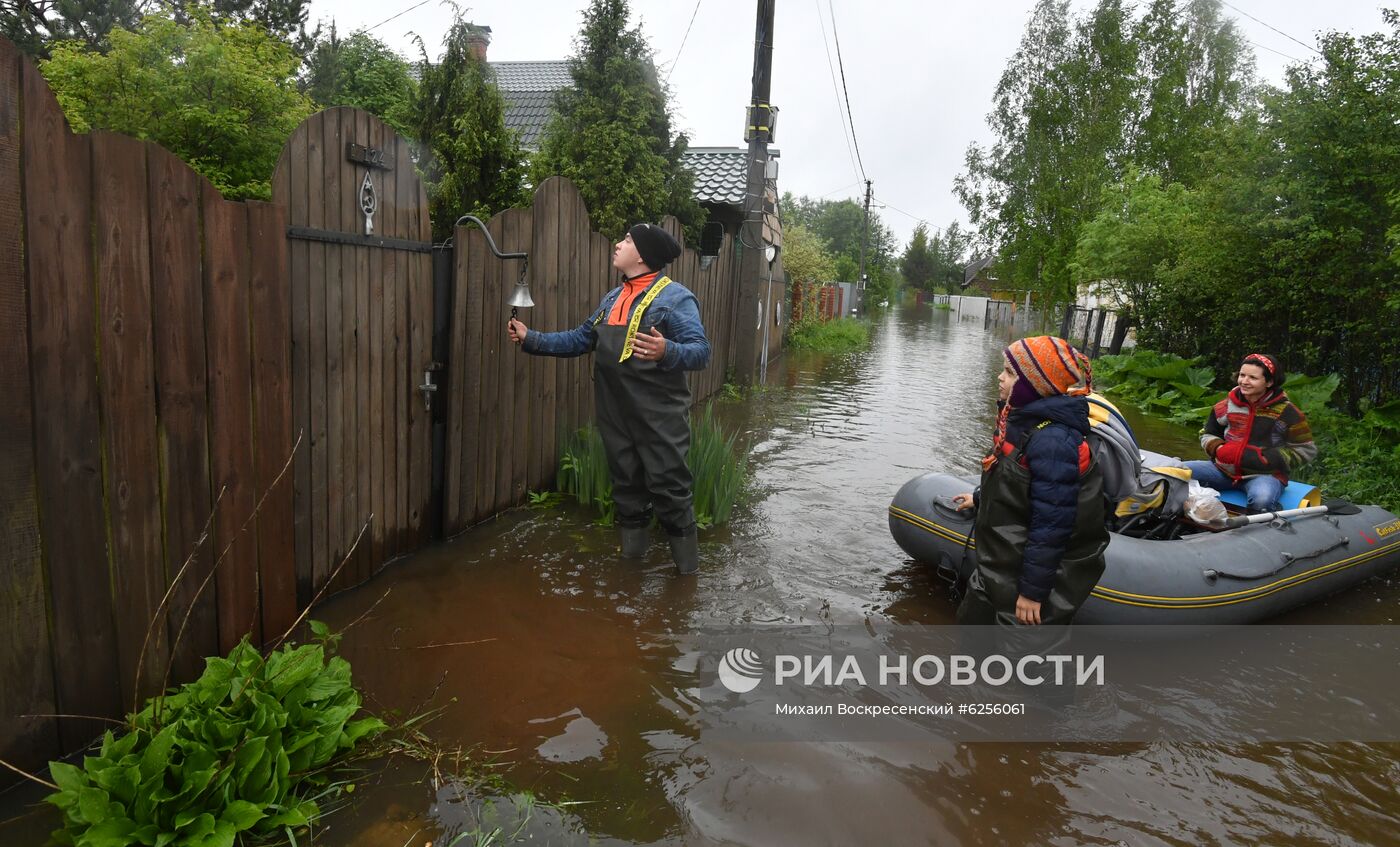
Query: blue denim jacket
(675,313)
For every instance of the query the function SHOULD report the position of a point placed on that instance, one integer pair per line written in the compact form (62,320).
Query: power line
(1272,27)
(1280,52)
(849,117)
(839,114)
(399,15)
(672,69)
(842,188)
(909,215)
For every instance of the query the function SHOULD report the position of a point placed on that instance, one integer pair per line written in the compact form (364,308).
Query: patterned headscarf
(1045,366)
(1272,372)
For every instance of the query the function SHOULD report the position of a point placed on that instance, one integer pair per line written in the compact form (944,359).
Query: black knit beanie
(655,245)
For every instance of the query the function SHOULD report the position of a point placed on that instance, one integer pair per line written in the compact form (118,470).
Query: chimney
(478,39)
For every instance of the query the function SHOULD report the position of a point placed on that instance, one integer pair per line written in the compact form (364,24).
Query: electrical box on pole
(762,123)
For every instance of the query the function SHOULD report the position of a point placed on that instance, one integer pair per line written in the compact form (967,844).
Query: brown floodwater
(554,660)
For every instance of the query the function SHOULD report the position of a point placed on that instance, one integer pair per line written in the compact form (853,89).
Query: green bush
(717,464)
(1358,459)
(220,95)
(843,335)
(241,750)
(1168,386)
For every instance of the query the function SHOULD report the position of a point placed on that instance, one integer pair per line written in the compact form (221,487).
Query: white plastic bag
(1203,506)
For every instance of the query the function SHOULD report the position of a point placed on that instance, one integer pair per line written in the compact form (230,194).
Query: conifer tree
(917,264)
(611,133)
(472,164)
(35,25)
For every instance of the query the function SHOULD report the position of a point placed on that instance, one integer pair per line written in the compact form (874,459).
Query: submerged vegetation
(843,335)
(260,750)
(1358,458)
(245,751)
(719,466)
(717,462)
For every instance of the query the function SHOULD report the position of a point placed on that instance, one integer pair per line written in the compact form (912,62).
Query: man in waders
(646,334)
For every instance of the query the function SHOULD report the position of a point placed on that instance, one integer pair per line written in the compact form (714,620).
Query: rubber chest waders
(1003,519)
(643,417)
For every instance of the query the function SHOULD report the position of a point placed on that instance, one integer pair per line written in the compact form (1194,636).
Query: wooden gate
(361,274)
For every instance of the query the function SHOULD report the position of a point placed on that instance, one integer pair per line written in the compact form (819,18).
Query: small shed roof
(721,174)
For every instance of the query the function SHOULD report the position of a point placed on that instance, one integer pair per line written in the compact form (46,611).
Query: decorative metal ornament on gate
(369,202)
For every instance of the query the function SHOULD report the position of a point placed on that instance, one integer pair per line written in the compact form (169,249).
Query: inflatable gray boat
(1171,573)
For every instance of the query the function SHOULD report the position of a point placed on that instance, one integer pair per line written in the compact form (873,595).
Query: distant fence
(1093,331)
(163,349)
(812,300)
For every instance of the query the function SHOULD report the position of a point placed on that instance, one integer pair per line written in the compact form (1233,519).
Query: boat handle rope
(1211,574)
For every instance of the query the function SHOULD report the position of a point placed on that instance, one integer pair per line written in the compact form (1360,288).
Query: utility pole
(864,238)
(758,133)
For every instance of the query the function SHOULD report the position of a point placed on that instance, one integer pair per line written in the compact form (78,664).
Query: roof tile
(721,174)
(532,76)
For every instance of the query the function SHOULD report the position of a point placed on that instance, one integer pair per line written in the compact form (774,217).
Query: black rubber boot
(685,552)
(636,540)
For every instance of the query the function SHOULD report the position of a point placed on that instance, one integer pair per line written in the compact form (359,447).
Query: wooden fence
(207,400)
(145,374)
(509,411)
(819,302)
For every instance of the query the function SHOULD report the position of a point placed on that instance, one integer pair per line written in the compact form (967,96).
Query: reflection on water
(550,655)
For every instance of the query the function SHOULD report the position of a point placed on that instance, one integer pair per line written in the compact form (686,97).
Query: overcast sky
(920,75)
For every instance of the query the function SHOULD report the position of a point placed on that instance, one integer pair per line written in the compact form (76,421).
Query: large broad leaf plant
(233,756)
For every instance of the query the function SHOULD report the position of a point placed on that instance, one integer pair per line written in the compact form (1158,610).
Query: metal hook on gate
(520,298)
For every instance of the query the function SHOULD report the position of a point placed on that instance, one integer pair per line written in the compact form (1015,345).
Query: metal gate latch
(428,387)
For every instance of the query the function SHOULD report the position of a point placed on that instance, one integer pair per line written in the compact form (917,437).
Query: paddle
(1332,507)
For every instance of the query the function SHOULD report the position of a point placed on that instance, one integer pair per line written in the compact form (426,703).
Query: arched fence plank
(135,310)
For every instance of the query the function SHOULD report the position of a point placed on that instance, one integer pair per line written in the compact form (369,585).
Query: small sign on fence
(370,157)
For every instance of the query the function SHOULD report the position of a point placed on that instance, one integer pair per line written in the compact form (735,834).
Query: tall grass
(843,335)
(719,467)
(718,464)
(583,472)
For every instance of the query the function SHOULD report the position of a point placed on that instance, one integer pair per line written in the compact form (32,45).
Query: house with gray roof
(721,173)
(979,274)
(528,89)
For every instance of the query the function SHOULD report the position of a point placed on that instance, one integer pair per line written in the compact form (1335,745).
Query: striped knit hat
(1046,366)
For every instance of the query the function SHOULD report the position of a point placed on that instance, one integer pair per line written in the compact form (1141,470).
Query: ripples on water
(576,691)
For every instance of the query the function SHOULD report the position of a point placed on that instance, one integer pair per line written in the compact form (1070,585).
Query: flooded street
(581,692)
(553,658)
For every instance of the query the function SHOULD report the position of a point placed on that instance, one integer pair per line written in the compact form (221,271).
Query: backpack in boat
(1116,450)
(1130,487)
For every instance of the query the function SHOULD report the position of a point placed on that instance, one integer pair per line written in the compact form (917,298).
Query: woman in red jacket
(1255,437)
